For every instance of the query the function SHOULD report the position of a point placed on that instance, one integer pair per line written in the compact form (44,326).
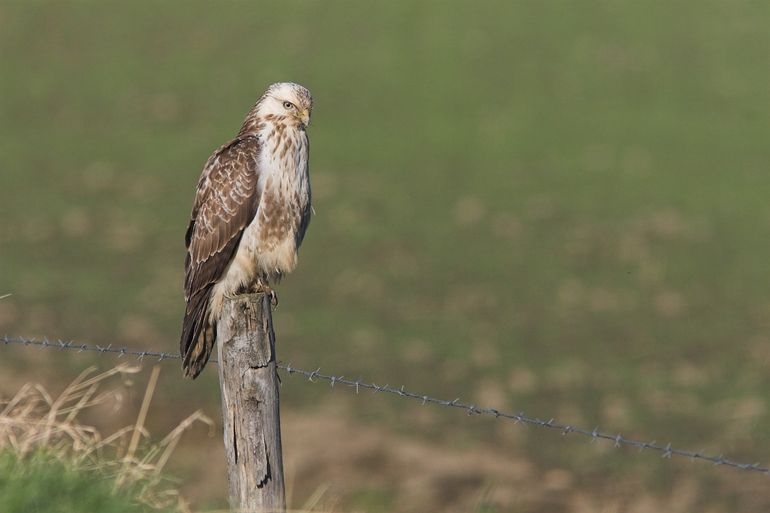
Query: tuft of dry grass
(33,420)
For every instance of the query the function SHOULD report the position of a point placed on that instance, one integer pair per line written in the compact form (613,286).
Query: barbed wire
(666,451)
(47,343)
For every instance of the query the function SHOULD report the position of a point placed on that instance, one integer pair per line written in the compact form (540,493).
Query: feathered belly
(277,255)
(263,251)
(257,258)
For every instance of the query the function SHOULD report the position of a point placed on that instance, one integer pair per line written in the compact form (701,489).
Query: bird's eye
(288,105)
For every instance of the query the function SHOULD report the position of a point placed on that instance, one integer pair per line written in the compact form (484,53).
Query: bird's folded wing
(225,203)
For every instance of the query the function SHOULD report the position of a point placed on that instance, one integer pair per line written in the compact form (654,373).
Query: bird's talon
(262,288)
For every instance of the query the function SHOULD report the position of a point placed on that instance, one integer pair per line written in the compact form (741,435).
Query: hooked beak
(304,116)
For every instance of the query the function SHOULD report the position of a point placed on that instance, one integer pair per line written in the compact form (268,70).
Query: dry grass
(33,420)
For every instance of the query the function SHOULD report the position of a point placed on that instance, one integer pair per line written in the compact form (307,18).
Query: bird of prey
(251,210)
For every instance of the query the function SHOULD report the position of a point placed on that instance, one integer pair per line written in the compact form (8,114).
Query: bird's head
(288,100)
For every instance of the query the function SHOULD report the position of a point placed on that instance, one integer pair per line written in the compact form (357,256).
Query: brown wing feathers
(225,204)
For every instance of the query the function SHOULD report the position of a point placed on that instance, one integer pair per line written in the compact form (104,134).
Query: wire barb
(666,451)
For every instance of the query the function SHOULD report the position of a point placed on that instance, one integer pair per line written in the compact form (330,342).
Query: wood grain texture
(250,405)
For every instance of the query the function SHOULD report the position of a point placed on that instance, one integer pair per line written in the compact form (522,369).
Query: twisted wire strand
(618,440)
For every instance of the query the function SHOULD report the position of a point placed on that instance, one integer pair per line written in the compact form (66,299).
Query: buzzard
(251,210)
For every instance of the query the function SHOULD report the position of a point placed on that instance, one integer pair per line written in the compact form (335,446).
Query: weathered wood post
(250,407)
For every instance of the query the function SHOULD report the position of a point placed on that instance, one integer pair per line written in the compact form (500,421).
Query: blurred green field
(554,207)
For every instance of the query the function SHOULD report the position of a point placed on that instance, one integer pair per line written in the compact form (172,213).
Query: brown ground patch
(365,468)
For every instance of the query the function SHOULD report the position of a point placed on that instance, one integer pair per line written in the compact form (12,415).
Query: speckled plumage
(251,211)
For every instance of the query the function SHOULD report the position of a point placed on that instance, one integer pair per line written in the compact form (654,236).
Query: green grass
(40,483)
(572,192)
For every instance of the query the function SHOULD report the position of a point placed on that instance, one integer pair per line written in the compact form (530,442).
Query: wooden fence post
(250,407)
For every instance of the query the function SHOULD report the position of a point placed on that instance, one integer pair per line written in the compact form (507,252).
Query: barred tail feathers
(198,334)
